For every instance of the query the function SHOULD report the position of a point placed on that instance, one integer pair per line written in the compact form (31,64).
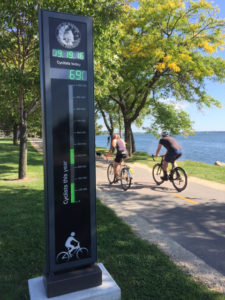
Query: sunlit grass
(193,168)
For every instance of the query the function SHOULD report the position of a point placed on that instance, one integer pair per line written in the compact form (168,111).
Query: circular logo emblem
(68,35)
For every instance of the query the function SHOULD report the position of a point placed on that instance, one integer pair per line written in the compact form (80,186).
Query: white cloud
(181,105)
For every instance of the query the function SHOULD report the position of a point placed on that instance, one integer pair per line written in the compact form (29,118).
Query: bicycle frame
(120,165)
(124,174)
(173,163)
(177,175)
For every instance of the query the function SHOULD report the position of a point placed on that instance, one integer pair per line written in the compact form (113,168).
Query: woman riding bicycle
(120,146)
(173,151)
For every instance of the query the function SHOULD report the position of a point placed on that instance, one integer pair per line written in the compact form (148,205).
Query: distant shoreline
(198,131)
(207,146)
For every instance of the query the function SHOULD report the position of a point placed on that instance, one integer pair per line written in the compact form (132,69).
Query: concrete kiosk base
(109,290)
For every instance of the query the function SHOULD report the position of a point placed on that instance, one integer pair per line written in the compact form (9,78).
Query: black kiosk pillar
(66,61)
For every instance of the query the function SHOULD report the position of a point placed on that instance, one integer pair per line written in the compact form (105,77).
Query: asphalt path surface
(193,220)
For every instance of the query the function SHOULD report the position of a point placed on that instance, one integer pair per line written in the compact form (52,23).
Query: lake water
(206,147)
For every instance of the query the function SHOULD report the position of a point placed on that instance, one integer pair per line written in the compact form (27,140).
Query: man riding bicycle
(173,151)
(120,146)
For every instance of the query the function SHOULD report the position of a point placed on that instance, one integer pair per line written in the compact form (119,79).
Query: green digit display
(60,53)
(54,53)
(79,75)
(70,54)
(80,55)
(72,75)
(67,54)
(76,75)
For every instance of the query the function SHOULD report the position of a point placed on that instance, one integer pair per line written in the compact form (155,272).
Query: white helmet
(165,133)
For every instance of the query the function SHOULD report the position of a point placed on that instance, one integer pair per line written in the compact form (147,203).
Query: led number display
(78,75)
(68,74)
(68,54)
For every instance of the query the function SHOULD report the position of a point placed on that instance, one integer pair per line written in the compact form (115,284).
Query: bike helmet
(165,133)
(72,234)
(115,136)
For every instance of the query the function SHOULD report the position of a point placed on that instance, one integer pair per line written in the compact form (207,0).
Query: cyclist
(69,243)
(119,145)
(173,151)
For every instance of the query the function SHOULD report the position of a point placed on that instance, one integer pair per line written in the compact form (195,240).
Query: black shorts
(172,155)
(119,156)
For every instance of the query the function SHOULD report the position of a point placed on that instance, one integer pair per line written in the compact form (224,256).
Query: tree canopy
(19,52)
(161,50)
(164,50)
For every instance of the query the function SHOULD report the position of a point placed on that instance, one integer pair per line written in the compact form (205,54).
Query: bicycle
(125,175)
(177,175)
(65,256)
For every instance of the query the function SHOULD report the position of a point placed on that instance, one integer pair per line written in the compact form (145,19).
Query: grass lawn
(141,270)
(193,168)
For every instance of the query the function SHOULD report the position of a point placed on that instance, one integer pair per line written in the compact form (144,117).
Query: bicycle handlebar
(153,156)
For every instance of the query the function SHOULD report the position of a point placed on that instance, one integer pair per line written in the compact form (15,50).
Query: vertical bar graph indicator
(72,192)
(72,157)
(72,152)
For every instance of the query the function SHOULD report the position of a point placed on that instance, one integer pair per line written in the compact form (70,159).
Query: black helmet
(165,133)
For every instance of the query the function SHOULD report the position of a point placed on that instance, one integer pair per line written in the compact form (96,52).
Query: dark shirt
(120,146)
(169,143)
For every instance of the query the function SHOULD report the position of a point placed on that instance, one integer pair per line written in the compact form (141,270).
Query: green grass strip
(193,168)
(72,191)
(72,156)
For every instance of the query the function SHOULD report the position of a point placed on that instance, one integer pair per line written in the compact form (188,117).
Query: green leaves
(166,117)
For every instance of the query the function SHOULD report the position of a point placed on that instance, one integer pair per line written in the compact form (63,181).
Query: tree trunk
(23,137)
(120,127)
(23,150)
(133,142)
(128,140)
(15,134)
(111,138)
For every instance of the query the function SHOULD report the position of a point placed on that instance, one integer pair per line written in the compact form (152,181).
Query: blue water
(206,147)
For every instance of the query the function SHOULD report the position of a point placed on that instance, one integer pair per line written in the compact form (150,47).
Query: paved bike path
(187,226)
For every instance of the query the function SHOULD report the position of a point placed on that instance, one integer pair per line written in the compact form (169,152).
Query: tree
(165,50)
(169,118)
(8,117)
(98,129)
(19,50)
(110,114)
(34,123)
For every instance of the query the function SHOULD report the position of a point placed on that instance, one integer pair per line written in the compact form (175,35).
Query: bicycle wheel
(125,179)
(157,173)
(110,173)
(81,253)
(179,179)
(62,257)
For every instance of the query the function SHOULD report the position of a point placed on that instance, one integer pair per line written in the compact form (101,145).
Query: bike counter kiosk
(66,58)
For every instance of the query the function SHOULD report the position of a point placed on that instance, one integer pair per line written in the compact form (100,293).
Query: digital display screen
(69,74)
(68,54)
(70,105)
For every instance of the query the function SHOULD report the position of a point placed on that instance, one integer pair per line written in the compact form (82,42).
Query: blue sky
(211,119)
(207,119)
